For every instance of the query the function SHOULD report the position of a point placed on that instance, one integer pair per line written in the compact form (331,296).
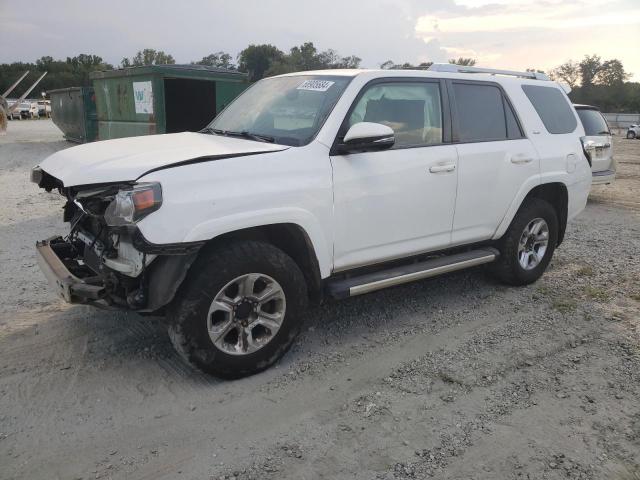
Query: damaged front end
(105,260)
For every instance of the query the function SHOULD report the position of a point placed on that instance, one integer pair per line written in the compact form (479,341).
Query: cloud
(481,56)
(528,33)
(428,26)
(499,33)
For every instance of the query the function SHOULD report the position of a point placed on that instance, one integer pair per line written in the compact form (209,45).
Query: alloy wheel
(246,314)
(533,243)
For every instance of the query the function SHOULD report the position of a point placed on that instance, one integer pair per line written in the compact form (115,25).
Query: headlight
(130,206)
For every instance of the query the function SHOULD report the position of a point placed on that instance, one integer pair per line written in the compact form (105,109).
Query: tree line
(598,82)
(594,81)
(257,61)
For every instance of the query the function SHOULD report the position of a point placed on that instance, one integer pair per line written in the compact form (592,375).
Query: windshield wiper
(243,134)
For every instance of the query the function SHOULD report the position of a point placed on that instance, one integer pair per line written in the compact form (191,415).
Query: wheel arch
(556,193)
(292,239)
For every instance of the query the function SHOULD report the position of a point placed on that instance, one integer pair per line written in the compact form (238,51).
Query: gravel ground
(455,377)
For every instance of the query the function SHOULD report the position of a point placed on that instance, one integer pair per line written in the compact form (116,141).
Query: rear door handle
(442,168)
(521,160)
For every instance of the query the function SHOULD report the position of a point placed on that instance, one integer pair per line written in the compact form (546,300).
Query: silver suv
(598,144)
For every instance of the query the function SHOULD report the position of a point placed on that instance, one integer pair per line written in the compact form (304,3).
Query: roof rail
(453,68)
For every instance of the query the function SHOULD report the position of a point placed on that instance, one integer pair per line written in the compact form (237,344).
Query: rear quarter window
(552,107)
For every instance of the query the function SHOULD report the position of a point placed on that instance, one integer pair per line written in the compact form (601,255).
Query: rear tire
(527,246)
(631,134)
(239,309)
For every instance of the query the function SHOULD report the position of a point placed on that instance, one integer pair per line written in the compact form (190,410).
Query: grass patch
(585,271)
(564,305)
(598,294)
(544,291)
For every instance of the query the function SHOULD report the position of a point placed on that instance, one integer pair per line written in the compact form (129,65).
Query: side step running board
(350,287)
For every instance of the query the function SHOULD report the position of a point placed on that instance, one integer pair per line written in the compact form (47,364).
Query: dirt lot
(455,377)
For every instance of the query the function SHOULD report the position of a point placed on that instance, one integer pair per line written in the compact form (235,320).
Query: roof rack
(453,68)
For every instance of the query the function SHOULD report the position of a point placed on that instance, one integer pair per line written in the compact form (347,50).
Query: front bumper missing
(76,280)
(52,255)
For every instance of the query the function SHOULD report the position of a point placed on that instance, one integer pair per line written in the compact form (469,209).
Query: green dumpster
(73,110)
(162,98)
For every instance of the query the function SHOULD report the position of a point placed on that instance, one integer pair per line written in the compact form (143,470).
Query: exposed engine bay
(105,256)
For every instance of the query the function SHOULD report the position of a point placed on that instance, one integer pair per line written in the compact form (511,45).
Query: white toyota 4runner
(328,183)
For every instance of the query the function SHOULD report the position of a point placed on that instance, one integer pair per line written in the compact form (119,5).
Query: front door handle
(442,168)
(521,160)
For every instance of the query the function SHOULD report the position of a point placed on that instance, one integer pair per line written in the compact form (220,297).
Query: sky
(513,34)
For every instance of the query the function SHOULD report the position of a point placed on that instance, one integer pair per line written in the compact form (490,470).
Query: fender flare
(303,219)
(525,190)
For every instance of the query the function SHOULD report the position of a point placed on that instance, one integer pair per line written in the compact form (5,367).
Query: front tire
(631,134)
(527,246)
(239,309)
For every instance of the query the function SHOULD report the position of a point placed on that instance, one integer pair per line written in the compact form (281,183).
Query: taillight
(587,148)
(590,147)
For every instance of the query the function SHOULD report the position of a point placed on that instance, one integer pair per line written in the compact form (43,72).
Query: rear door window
(592,121)
(552,107)
(483,114)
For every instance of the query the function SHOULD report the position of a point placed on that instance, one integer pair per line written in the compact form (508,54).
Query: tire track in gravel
(234,400)
(46,392)
(418,310)
(359,367)
(530,389)
(505,384)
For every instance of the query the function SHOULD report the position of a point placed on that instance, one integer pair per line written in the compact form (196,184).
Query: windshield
(593,122)
(287,110)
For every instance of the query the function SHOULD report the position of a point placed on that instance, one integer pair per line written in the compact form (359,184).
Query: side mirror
(367,137)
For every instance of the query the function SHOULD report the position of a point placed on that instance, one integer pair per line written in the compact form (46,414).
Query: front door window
(412,110)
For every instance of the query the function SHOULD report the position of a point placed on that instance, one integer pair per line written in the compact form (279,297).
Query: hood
(127,159)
